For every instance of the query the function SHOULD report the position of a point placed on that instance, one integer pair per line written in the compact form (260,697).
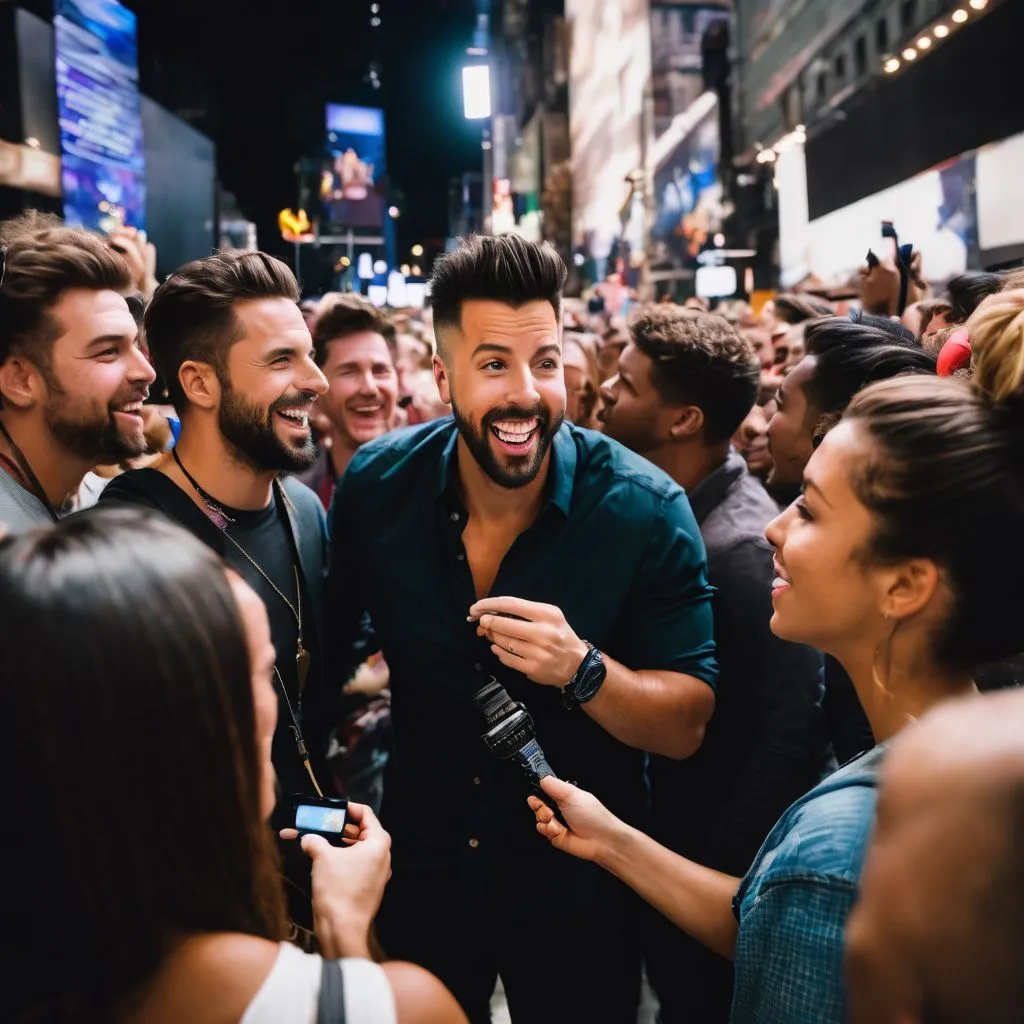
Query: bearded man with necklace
(229,340)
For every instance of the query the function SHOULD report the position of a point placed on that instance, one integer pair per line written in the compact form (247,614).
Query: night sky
(257,80)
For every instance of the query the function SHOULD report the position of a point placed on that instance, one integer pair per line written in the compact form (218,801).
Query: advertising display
(610,66)
(102,162)
(961,215)
(686,152)
(353,182)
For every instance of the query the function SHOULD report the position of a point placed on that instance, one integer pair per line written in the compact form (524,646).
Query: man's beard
(477,441)
(98,441)
(250,430)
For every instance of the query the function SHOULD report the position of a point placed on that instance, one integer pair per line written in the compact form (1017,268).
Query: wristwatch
(588,679)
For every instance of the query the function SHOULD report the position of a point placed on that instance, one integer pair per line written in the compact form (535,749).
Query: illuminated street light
(476,92)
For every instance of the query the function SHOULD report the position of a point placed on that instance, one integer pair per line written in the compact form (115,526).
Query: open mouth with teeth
(294,419)
(368,410)
(781,582)
(516,437)
(130,412)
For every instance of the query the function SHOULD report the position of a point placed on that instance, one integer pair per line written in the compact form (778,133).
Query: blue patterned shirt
(793,904)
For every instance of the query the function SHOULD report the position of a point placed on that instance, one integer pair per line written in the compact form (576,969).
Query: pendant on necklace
(302,666)
(217,516)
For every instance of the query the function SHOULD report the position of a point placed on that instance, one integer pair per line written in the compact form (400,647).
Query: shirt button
(474,843)
(454,517)
(476,780)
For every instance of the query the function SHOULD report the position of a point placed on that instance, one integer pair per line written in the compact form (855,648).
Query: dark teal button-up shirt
(615,546)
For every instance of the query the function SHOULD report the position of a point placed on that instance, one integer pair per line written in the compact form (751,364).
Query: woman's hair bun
(997,348)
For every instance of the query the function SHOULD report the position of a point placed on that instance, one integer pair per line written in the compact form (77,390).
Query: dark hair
(968,291)
(700,359)
(192,314)
(42,260)
(127,719)
(850,356)
(504,269)
(795,309)
(945,478)
(895,331)
(351,314)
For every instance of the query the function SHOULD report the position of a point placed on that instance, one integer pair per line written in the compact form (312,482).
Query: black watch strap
(587,681)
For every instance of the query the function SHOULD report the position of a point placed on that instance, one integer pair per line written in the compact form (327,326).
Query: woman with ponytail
(893,560)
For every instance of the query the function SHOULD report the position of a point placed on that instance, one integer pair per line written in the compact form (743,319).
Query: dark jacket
(767,743)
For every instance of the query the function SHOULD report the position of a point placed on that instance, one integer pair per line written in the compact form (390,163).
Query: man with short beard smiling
(228,337)
(492,544)
(72,376)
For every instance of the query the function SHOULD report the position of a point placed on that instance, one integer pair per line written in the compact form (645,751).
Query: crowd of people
(748,572)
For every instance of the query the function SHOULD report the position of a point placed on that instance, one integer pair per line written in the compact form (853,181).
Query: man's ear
(200,383)
(21,383)
(443,380)
(689,423)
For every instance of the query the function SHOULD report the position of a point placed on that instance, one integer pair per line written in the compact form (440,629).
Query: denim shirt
(793,904)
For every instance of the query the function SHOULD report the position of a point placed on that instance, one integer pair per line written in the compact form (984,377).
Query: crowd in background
(826,494)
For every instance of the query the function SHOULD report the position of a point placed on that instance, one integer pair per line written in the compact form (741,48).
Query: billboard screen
(102,164)
(353,180)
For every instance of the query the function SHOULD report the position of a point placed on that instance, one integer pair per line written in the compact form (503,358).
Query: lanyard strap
(35,486)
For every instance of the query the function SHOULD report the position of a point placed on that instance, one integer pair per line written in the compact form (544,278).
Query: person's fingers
(535,803)
(521,664)
(531,610)
(314,846)
(515,629)
(561,790)
(289,833)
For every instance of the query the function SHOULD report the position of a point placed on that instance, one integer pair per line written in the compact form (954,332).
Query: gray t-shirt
(20,510)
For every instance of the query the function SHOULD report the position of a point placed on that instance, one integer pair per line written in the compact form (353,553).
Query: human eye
(804,511)
(548,365)
(494,365)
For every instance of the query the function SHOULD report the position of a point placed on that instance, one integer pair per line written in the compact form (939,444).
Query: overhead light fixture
(979,5)
(892,65)
(941,31)
(910,53)
(924,43)
(960,15)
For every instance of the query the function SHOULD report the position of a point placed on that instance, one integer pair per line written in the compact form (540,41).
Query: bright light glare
(476,92)
(924,43)
(417,250)
(393,212)
(960,16)
(910,53)
(941,31)
(892,65)
(979,5)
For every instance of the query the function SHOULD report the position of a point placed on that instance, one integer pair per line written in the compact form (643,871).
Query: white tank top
(290,991)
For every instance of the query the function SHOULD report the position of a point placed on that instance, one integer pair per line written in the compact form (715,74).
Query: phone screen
(311,818)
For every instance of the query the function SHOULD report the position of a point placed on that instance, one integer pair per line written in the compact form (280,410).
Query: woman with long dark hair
(136,719)
(891,561)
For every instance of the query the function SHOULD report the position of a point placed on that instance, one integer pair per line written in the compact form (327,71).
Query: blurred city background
(665,148)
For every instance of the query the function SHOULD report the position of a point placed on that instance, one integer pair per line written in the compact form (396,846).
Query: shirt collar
(562,473)
(711,491)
